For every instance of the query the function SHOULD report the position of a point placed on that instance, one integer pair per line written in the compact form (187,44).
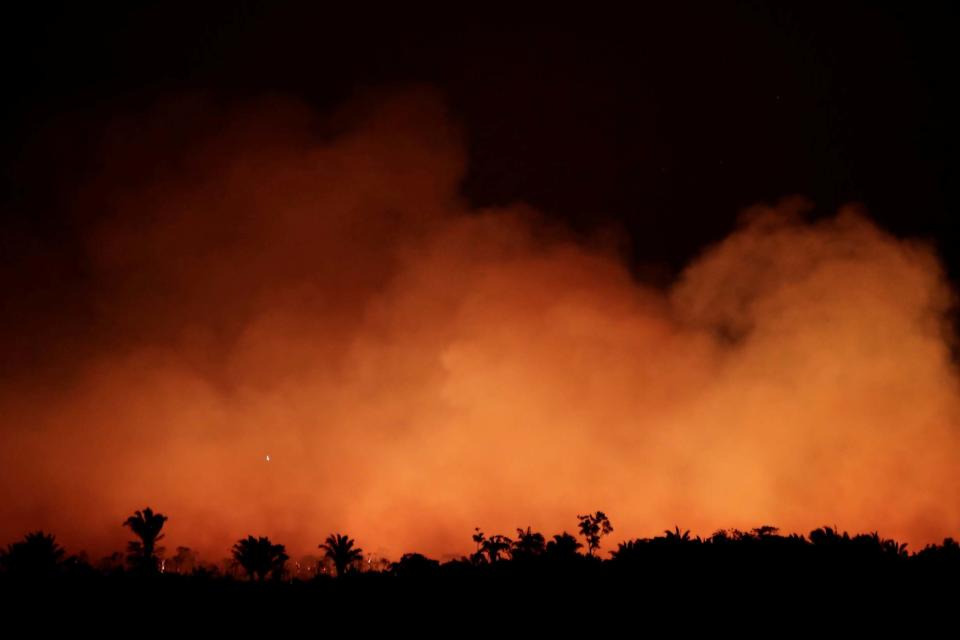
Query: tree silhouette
(495,545)
(676,535)
(111,564)
(766,531)
(415,565)
(627,551)
(895,549)
(828,537)
(37,556)
(184,561)
(873,544)
(592,528)
(563,545)
(143,555)
(478,538)
(339,550)
(528,544)
(259,557)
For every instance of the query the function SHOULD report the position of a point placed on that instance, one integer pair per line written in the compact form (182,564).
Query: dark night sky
(664,121)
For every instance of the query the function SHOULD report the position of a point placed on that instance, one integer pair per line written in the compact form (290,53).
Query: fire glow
(319,290)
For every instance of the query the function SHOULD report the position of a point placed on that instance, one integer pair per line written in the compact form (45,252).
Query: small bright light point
(268,458)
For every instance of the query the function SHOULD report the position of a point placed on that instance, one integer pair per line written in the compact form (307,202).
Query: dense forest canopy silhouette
(737,558)
(827,575)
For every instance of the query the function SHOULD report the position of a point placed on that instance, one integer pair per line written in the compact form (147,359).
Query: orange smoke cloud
(316,290)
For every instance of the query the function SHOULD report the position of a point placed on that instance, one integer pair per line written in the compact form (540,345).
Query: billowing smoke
(268,282)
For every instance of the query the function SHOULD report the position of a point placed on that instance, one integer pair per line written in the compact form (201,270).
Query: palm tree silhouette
(895,549)
(146,525)
(628,550)
(676,535)
(339,549)
(494,545)
(259,557)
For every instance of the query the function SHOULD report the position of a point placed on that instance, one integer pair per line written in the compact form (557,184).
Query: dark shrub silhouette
(37,556)
(416,566)
(339,549)
(259,557)
(143,555)
(111,564)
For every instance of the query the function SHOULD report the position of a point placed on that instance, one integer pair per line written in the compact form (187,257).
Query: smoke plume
(265,281)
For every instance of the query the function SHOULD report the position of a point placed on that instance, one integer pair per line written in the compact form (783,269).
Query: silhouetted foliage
(143,554)
(826,566)
(677,536)
(478,557)
(494,546)
(205,572)
(478,537)
(113,563)
(627,550)
(37,556)
(339,549)
(415,565)
(563,545)
(828,537)
(183,562)
(529,544)
(592,528)
(259,557)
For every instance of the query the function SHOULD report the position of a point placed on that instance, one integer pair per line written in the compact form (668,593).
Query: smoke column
(265,281)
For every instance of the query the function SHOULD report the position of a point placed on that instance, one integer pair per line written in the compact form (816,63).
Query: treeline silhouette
(38,556)
(564,569)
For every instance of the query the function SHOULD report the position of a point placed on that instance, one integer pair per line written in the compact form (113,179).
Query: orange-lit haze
(316,290)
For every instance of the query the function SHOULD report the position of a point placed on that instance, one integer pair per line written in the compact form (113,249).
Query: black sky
(664,121)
